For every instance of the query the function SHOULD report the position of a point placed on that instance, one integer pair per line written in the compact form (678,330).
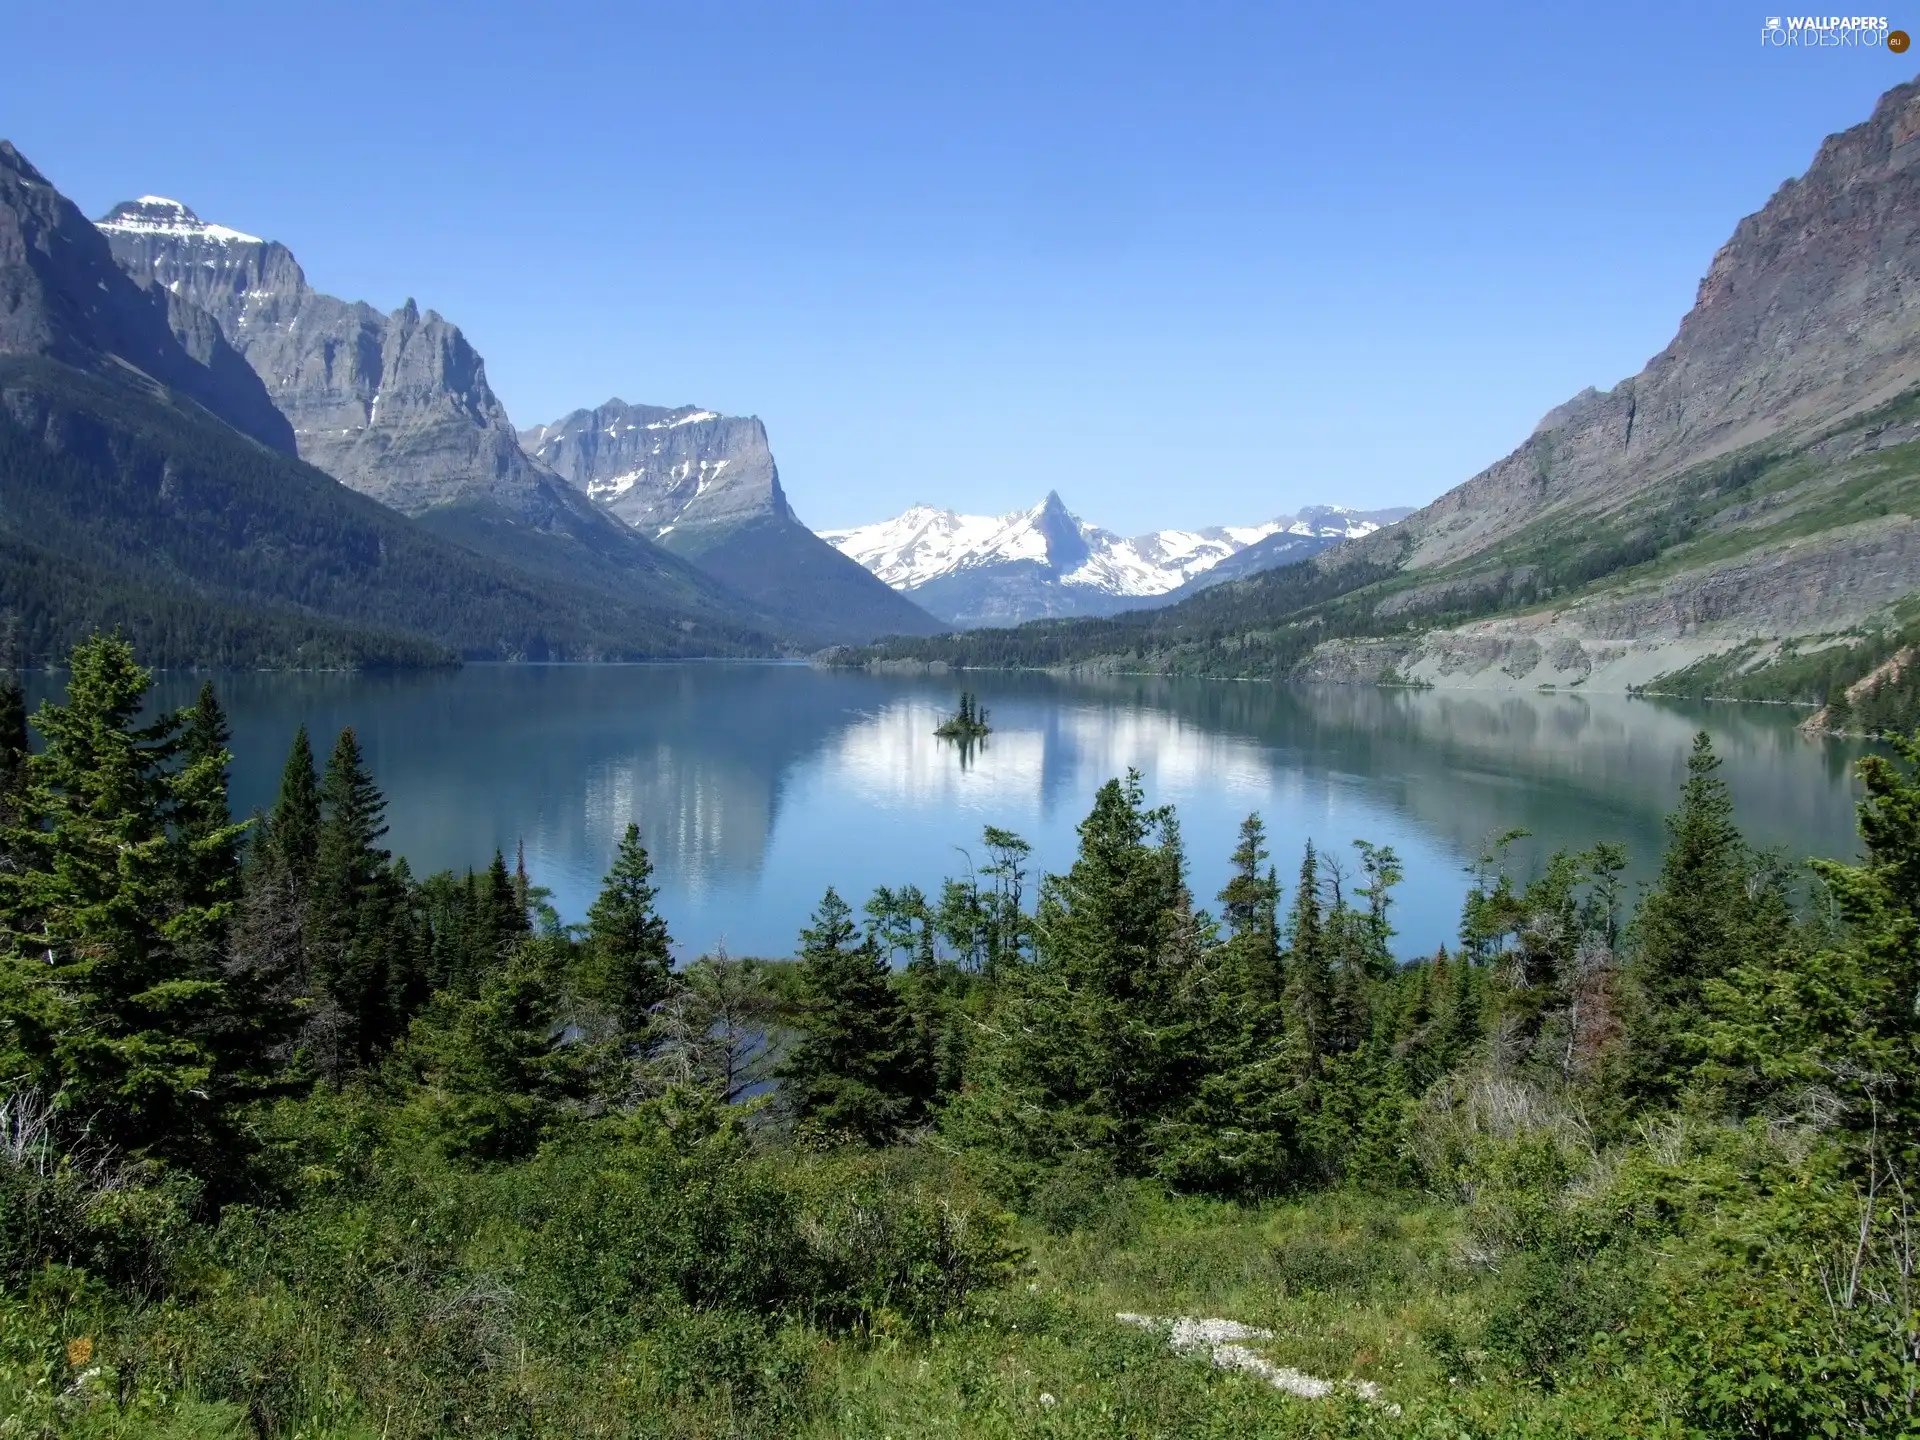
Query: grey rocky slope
(64,298)
(396,406)
(1753,482)
(706,486)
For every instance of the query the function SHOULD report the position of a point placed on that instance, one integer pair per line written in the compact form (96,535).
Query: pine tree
(13,747)
(108,1002)
(1098,1043)
(1237,1136)
(1691,927)
(204,822)
(495,1080)
(295,821)
(855,1073)
(270,951)
(1308,994)
(352,917)
(629,957)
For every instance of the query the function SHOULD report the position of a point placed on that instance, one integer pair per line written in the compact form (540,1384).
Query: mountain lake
(756,786)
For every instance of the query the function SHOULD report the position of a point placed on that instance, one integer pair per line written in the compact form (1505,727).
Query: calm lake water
(757,786)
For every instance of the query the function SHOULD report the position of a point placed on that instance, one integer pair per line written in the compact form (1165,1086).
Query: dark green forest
(295,1142)
(124,508)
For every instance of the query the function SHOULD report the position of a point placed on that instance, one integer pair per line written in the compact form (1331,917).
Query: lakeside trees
(241,1067)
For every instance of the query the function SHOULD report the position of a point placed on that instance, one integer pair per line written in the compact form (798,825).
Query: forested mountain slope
(1755,484)
(123,507)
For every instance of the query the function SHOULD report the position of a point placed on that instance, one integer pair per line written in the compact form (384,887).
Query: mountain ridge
(1044,560)
(397,406)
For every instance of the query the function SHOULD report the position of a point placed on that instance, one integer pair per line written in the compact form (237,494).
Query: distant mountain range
(200,447)
(974,570)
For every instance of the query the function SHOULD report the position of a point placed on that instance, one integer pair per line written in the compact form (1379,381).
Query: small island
(969,722)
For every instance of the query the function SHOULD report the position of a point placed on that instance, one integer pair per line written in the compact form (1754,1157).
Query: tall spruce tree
(1097,1045)
(109,1002)
(629,956)
(856,1073)
(270,941)
(1237,1135)
(13,746)
(1690,929)
(295,821)
(353,914)
(1308,995)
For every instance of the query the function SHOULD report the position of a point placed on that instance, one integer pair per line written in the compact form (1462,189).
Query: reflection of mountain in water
(1569,768)
(562,757)
(756,785)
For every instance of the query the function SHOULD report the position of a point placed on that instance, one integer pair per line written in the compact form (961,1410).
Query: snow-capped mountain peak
(157,215)
(1046,560)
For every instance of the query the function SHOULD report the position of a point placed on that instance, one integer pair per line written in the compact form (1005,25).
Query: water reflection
(757,785)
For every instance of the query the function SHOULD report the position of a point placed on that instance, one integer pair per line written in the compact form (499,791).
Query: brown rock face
(1809,313)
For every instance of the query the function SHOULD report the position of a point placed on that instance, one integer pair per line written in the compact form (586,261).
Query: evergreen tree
(855,1073)
(1839,1019)
(13,747)
(295,821)
(1099,1043)
(495,1079)
(1690,929)
(629,957)
(1237,1136)
(1308,994)
(352,928)
(204,821)
(109,1003)
(270,950)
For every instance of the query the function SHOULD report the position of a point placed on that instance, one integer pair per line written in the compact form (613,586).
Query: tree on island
(969,722)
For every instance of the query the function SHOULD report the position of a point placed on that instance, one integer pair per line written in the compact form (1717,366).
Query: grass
(1352,1285)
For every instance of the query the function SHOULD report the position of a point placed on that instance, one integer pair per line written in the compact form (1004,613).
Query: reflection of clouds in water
(893,758)
(699,821)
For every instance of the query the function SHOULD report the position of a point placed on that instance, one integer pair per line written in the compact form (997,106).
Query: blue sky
(1186,263)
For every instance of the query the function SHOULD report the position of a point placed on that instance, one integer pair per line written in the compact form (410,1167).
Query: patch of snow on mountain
(157,215)
(692,418)
(926,543)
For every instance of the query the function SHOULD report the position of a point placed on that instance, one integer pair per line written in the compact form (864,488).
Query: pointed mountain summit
(705,486)
(397,406)
(65,299)
(976,570)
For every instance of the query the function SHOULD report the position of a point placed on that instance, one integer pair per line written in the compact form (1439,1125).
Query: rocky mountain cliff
(1751,483)
(663,469)
(705,486)
(395,406)
(63,297)
(1046,561)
